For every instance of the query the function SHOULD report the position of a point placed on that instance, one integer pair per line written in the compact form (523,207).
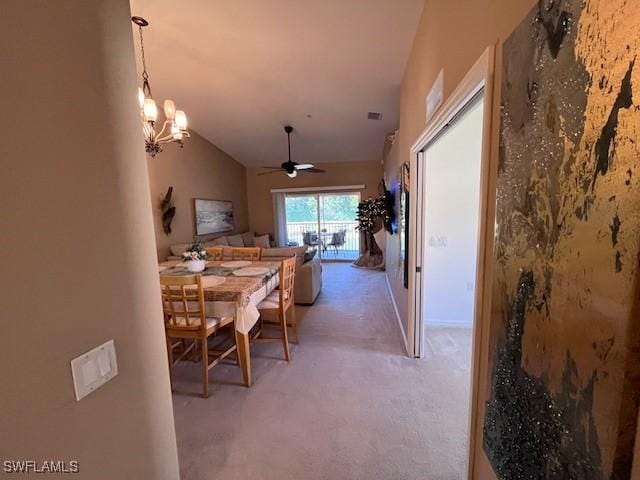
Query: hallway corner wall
(78,250)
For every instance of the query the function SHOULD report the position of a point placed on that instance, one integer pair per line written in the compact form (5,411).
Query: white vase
(195,266)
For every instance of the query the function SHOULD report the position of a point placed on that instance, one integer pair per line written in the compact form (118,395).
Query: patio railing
(295,231)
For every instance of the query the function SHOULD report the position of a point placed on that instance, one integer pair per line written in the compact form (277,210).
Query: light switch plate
(435,96)
(93,369)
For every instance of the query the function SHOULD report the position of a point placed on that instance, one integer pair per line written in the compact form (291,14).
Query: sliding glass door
(325,221)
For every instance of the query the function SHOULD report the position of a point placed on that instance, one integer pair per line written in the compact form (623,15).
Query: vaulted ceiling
(242,69)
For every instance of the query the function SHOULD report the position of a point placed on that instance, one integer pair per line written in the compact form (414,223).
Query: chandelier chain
(146,87)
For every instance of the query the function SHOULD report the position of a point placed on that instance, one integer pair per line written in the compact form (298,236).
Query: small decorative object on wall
(563,388)
(403,221)
(213,216)
(389,140)
(195,257)
(168,211)
(174,129)
(435,96)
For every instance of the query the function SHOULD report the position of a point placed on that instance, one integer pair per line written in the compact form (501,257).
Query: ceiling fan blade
(271,171)
(314,170)
(304,166)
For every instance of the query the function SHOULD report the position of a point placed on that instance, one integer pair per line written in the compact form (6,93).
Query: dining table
(229,291)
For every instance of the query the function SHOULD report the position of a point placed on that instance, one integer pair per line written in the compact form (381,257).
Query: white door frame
(480,77)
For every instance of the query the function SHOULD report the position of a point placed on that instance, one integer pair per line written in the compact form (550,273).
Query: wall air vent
(374,116)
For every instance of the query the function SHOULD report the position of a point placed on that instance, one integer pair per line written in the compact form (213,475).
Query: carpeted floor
(350,405)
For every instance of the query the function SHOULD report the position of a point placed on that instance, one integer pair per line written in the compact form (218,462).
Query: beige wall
(199,170)
(439,45)
(78,263)
(394,266)
(349,173)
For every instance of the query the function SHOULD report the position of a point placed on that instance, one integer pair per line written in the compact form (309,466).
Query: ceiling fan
(290,167)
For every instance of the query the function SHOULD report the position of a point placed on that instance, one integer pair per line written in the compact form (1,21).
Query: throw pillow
(220,241)
(261,241)
(235,241)
(247,239)
(309,254)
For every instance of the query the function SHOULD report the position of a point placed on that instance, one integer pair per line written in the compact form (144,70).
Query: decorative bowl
(195,266)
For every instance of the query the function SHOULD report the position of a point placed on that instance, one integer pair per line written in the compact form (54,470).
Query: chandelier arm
(170,138)
(149,132)
(164,127)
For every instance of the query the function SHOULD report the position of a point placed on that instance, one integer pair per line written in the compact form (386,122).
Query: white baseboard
(395,307)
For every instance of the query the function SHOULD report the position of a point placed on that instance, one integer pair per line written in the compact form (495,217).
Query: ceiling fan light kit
(290,167)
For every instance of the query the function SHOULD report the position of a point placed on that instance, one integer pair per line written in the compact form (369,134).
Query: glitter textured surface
(564,385)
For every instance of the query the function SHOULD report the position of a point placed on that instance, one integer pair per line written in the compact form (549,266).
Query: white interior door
(447,180)
(475,90)
(417,186)
(450,220)
(449,225)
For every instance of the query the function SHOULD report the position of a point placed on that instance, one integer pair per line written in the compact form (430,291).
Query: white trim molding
(395,307)
(480,77)
(336,188)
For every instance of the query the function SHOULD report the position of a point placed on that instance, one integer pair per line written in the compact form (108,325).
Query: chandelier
(174,128)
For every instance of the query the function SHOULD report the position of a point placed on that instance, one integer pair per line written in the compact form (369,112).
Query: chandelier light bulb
(181,120)
(169,110)
(293,174)
(140,97)
(150,110)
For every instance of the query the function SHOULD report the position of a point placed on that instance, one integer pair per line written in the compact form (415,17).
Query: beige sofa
(308,271)
(308,266)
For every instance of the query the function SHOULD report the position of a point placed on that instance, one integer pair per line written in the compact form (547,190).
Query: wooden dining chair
(277,305)
(215,253)
(185,318)
(246,253)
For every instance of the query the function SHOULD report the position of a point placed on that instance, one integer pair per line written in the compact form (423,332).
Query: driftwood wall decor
(564,369)
(168,211)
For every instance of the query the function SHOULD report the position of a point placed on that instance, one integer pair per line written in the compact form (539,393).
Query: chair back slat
(216,253)
(246,253)
(287,279)
(183,302)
